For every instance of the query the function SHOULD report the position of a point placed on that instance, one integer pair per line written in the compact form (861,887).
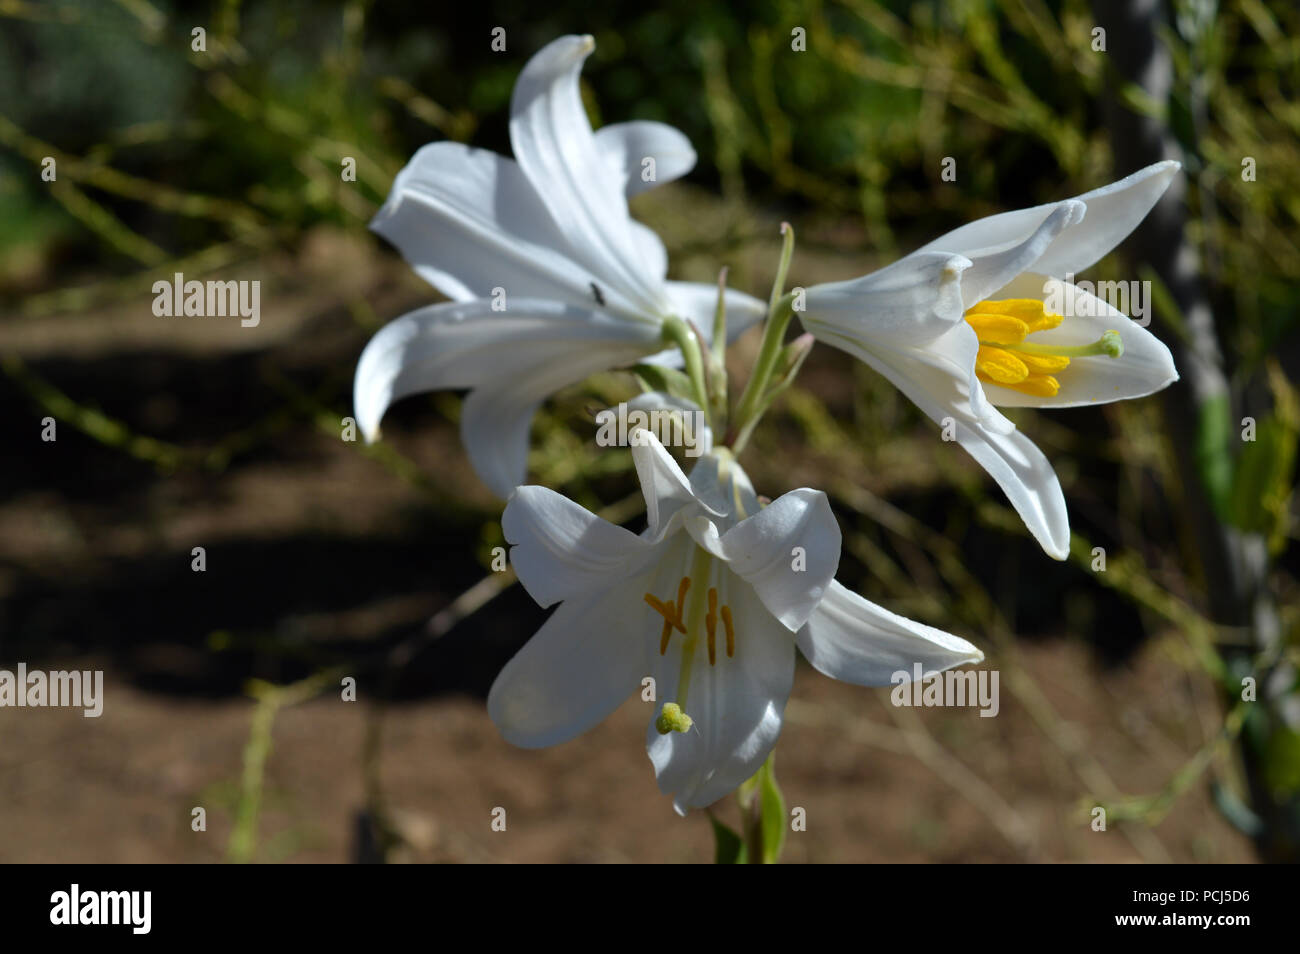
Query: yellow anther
(660,607)
(672,613)
(673,719)
(1007,359)
(711,625)
(1028,310)
(1000,365)
(665,635)
(997,329)
(1045,321)
(1039,385)
(731,632)
(1044,363)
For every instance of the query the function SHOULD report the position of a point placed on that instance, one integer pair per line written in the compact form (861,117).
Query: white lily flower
(981,317)
(710,601)
(551,280)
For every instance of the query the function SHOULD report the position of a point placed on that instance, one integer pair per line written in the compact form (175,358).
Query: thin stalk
(751,400)
(676,331)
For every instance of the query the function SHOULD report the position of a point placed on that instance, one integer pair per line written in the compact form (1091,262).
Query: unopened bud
(791,359)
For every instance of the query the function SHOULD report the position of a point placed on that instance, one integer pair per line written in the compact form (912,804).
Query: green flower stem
(717,369)
(751,400)
(782,267)
(762,816)
(676,331)
(720,316)
(779,311)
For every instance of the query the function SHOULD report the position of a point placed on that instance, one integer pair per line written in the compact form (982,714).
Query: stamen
(1000,365)
(1005,358)
(1039,386)
(1000,329)
(1044,363)
(672,615)
(731,632)
(711,625)
(659,607)
(1029,310)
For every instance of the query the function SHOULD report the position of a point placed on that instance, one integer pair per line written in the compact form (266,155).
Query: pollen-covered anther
(711,625)
(671,612)
(731,632)
(1006,358)
(673,719)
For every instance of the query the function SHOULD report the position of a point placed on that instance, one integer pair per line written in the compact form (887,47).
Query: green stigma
(673,719)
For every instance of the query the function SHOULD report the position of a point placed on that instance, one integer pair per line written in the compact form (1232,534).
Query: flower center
(671,611)
(1007,359)
(703,614)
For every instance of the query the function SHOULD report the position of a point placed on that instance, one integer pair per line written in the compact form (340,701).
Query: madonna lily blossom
(551,280)
(708,602)
(987,315)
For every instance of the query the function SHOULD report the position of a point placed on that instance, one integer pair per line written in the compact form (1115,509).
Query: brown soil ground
(121,788)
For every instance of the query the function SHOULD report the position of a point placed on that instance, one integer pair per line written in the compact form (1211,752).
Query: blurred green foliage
(242,143)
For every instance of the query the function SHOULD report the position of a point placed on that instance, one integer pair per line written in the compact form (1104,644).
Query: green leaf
(773,812)
(1282,762)
(1213,435)
(728,848)
(1261,481)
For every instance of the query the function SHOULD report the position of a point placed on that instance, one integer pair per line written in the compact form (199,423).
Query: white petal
(554,145)
(765,550)
(914,300)
(561,550)
(1145,366)
(668,496)
(996,266)
(469,221)
(737,705)
(627,145)
(853,640)
(1113,212)
(582,664)
(651,254)
(495,419)
(697,301)
(722,485)
(940,380)
(513,360)
(951,354)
